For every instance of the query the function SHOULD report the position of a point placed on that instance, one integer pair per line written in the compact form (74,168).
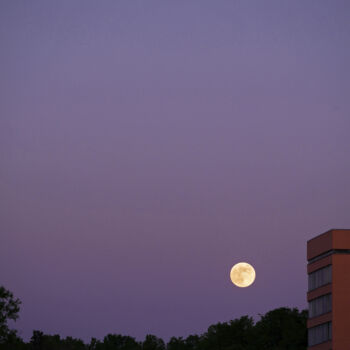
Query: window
(320,334)
(320,277)
(320,305)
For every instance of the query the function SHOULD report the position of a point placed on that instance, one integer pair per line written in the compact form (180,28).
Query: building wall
(323,346)
(341,239)
(332,248)
(319,245)
(341,301)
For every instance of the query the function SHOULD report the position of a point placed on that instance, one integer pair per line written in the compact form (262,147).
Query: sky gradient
(148,146)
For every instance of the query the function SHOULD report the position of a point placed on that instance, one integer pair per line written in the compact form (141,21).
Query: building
(328,293)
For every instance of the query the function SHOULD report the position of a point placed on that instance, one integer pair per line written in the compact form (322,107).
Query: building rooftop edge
(330,230)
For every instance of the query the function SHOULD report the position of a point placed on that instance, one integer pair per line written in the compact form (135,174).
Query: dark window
(320,277)
(320,334)
(320,305)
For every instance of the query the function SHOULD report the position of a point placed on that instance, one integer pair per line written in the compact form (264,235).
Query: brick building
(328,293)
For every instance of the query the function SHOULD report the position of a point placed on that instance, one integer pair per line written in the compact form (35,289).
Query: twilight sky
(147,146)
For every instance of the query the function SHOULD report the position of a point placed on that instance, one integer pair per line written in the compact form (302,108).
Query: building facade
(328,293)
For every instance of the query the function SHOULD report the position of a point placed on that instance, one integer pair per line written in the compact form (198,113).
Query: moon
(242,274)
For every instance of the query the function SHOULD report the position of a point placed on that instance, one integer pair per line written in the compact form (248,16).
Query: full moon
(242,274)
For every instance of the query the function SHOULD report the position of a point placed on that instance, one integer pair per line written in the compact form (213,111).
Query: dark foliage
(9,309)
(279,329)
(282,328)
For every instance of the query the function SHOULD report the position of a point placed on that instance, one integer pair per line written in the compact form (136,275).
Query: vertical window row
(320,305)
(320,277)
(320,334)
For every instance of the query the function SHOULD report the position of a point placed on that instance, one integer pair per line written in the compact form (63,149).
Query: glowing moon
(242,274)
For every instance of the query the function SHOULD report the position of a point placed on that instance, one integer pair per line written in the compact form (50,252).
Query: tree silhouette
(9,309)
(282,328)
(176,344)
(236,334)
(118,342)
(278,329)
(152,342)
(37,340)
(193,342)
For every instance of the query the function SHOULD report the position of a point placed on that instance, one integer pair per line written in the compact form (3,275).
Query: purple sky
(147,146)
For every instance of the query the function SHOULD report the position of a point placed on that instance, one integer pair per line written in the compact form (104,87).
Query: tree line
(279,329)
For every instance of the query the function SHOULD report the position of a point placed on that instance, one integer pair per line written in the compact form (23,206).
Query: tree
(9,309)
(235,335)
(118,342)
(13,342)
(37,340)
(282,329)
(176,344)
(70,343)
(193,342)
(152,342)
(94,344)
